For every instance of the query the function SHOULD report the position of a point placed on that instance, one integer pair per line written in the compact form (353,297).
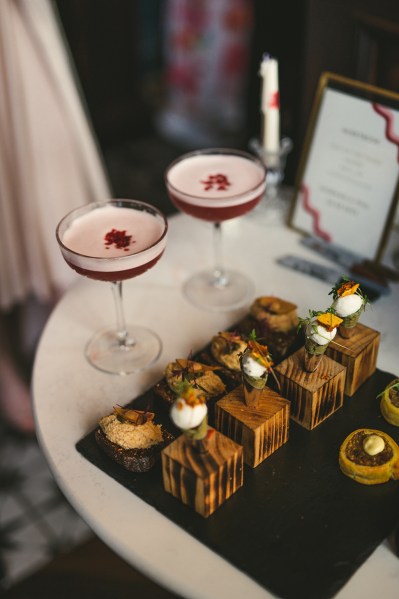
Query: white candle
(270,104)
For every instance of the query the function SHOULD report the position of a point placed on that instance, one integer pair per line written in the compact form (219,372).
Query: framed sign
(347,183)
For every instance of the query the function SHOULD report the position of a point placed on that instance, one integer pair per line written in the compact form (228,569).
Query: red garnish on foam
(219,181)
(119,239)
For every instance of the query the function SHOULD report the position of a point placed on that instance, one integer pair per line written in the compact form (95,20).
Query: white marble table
(70,396)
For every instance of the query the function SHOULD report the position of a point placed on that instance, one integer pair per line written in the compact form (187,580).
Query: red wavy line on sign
(389,120)
(315,214)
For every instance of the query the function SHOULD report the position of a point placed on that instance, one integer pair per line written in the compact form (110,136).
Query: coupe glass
(215,185)
(113,241)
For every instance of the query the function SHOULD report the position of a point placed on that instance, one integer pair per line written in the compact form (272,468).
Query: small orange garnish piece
(348,288)
(329,321)
(260,353)
(192,396)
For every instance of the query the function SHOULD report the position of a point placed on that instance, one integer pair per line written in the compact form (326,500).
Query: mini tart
(277,314)
(226,348)
(389,404)
(137,459)
(367,469)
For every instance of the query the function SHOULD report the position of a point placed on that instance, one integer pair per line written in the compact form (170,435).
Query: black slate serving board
(298,526)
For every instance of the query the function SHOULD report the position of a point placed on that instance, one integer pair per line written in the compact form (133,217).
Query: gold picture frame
(347,184)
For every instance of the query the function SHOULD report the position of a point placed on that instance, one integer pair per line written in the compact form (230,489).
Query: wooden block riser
(205,496)
(330,398)
(261,429)
(358,354)
(258,443)
(202,481)
(314,396)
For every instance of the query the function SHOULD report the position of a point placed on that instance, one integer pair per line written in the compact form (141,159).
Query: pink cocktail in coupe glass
(114,241)
(215,185)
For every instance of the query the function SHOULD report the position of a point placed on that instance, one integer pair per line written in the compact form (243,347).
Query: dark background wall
(117,50)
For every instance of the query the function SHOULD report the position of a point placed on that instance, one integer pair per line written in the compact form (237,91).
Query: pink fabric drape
(49,161)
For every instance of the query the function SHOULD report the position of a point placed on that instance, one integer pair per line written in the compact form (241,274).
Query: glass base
(273,209)
(106,352)
(236,291)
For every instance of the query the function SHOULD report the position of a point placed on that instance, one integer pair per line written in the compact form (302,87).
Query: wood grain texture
(359,355)
(203,481)
(261,430)
(313,396)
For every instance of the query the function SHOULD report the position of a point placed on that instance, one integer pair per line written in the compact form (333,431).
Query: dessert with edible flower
(369,457)
(226,349)
(320,329)
(256,363)
(349,303)
(389,403)
(200,376)
(131,438)
(190,414)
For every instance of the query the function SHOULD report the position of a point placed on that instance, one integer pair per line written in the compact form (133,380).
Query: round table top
(70,396)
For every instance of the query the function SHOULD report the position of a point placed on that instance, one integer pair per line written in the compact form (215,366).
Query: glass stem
(121,330)
(219,277)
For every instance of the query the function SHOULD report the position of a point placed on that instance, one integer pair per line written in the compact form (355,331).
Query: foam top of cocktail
(113,240)
(216,185)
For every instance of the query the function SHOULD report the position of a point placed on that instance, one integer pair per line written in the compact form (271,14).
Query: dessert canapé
(190,414)
(200,376)
(369,457)
(189,409)
(349,303)
(320,330)
(131,438)
(389,403)
(226,348)
(277,314)
(256,363)
(275,321)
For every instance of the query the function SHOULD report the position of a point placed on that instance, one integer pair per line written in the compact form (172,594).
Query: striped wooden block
(204,481)
(314,396)
(259,430)
(359,355)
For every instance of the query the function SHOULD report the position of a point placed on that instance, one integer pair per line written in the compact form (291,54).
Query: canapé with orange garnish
(320,329)
(349,303)
(256,364)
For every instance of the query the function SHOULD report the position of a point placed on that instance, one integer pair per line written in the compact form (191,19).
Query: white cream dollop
(373,444)
(319,334)
(252,367)
(185,416)
(348,304)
